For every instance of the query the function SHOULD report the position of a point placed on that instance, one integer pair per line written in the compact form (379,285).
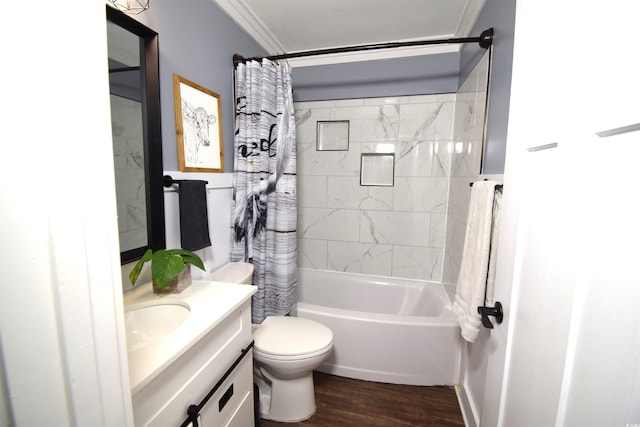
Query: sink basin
(150,321)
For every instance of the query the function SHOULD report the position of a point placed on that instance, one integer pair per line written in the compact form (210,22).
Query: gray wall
(419,75)
(197,41)
(499,15)
(429,74)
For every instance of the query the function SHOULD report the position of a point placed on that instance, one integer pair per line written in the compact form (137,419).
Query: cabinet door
(232,403)
(243,417)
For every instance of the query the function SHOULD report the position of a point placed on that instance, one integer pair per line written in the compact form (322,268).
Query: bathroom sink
(150,321)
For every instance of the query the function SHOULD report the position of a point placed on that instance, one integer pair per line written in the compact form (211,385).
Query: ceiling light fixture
(132,7)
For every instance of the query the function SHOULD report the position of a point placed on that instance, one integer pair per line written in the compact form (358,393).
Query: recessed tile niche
(332,135)
(376,169)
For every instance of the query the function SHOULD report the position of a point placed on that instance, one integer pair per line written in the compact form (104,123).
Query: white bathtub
(385,329)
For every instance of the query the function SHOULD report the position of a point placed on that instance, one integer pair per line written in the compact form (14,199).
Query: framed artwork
(198,127)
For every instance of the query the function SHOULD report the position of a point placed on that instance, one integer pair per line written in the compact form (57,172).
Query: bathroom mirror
(137,144)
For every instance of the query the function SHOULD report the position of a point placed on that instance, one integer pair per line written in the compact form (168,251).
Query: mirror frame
(151,131)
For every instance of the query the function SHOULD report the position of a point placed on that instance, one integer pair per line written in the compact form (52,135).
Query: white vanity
(191,349)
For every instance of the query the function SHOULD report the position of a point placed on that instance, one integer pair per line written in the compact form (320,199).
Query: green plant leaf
(165,266)
(135,273)
(194,259)
(189,257)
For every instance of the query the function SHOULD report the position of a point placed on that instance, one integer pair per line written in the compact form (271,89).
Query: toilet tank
(234,272)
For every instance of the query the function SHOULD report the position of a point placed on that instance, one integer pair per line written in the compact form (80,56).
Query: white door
(568,353)
(538,316)
(601,381)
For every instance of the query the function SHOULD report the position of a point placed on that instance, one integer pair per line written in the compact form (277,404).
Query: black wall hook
(485,312)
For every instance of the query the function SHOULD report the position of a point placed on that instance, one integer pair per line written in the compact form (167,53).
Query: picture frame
(198,127)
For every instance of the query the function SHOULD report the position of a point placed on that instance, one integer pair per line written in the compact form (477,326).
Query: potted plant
(170,269)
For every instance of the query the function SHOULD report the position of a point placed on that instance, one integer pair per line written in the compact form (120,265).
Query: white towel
(477,272)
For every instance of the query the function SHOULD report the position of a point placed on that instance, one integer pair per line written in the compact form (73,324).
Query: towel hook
(495,311)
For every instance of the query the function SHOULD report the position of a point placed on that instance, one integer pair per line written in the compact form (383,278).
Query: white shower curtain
(264,180)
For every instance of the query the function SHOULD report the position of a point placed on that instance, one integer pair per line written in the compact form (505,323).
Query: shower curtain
(264,181)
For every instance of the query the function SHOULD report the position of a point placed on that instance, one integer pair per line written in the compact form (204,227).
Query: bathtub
(385,329)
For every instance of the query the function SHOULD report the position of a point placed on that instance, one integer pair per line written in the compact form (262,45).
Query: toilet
(286,351)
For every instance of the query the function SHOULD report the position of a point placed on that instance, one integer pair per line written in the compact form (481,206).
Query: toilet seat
(285,337)
(291,358)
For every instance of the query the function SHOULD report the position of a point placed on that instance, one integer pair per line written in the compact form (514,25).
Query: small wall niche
(332,135)
(377,169)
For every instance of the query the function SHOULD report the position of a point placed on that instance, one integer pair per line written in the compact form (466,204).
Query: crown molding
(246,19)
(469,18)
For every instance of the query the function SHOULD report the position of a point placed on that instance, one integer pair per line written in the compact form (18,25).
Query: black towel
(194,222)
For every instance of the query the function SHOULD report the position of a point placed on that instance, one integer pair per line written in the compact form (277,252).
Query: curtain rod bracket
(486,38)
(238,59)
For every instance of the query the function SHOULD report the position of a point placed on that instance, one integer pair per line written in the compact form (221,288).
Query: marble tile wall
(414,229)
(397,231)
(126,117)
(466,154)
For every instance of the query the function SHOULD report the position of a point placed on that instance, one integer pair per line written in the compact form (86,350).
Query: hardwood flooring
(348,402)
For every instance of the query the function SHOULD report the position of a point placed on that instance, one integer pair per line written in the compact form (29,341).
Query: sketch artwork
(198,127)
(196,124)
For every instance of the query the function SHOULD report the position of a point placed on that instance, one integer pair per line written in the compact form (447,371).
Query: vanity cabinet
(216,355)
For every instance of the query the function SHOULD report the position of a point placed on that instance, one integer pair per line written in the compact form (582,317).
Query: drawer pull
(225,398)
(194,410)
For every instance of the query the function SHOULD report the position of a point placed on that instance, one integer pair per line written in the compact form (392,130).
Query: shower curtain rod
(484,40)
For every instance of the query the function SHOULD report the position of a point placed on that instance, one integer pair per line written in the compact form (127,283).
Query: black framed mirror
(134,86)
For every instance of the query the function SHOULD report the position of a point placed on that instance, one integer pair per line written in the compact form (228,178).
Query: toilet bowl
(286,351)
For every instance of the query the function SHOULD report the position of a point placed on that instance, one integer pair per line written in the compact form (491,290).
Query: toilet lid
(233,272)
(291,336)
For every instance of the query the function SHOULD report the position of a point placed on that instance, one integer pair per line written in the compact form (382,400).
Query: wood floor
(348,402)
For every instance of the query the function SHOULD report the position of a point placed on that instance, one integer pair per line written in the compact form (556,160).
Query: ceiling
(286,26)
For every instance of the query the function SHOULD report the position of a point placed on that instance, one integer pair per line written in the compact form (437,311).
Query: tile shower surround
(398,231)
(126,116)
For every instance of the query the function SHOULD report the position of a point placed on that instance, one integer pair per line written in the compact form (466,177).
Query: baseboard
(465,407)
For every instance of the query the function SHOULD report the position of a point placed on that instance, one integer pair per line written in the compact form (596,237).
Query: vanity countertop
(210,303)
